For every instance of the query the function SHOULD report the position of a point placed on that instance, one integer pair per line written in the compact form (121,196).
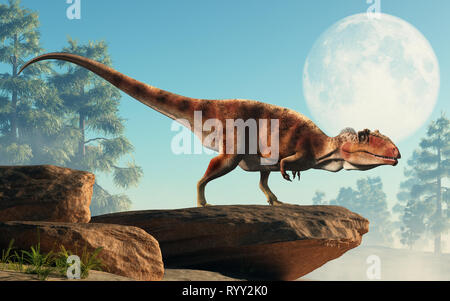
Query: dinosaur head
(365,149)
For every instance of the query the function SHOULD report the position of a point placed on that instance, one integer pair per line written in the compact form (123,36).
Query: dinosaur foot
(275,202)
(203,204)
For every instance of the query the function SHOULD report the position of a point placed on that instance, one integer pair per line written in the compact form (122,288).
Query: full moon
(371,73)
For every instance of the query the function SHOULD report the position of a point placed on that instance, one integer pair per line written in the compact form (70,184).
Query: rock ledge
(249,241)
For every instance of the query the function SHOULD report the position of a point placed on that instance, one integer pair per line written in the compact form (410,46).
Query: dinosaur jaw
(373,152)
(389,160)
(363,160)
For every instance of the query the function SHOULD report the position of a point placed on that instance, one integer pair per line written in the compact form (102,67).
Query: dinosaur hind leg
(271,198)
(218,166)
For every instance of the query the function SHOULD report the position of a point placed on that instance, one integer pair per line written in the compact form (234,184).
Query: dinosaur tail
(170,104)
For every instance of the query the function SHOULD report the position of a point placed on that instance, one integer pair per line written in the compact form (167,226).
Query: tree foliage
(29,109)
(414,222)
(318,198)
(68,119)
(93,106)
(104,202)
(423,191)
(368,200)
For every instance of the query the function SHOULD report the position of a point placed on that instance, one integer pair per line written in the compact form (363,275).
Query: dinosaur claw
(294,174)
(286,176)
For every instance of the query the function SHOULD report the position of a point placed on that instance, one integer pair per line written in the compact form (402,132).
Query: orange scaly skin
(302,145)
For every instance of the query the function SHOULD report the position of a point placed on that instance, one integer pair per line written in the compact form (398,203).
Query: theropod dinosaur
(301,145)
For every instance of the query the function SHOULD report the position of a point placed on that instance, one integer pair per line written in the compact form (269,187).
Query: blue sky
(226,49)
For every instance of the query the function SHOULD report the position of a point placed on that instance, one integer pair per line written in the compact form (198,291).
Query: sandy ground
(194,275)
(9,275)
(170,275)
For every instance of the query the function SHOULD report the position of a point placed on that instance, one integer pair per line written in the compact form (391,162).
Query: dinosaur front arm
(291,159)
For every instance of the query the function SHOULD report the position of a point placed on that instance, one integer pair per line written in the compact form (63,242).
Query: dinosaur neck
(330,149)
(330,159)
(170,104)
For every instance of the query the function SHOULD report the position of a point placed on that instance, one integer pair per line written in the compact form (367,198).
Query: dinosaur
(301,144)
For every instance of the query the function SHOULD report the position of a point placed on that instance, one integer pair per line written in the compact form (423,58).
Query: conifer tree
(92,105)
(27,105)
(428,168)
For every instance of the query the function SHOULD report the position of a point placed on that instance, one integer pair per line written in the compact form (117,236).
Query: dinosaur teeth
(384,157)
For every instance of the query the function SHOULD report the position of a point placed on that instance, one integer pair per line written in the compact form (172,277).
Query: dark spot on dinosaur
(204,107)
(206,110)
(184,105)
(294,126)
(116,80)
(256,111)
(138,90)
(161,98)
(245,111)
(286,124)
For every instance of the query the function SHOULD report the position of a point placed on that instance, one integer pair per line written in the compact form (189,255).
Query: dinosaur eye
(363,136)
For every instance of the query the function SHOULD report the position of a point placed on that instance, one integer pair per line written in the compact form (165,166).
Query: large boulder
(249,242)
(127,251)
(45,193)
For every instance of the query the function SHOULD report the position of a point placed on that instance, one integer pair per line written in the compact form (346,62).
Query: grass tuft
(33,261)
(6,254)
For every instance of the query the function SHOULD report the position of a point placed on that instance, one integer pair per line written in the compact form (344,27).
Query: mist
(377,263)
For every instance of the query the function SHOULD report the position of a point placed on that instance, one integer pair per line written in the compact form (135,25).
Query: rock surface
(127,251)
(249,241)
(194,275)
(45,193)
